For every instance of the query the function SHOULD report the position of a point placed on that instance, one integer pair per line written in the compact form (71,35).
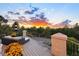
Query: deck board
(32,48)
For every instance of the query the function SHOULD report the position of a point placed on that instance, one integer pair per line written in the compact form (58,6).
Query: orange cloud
(39,23)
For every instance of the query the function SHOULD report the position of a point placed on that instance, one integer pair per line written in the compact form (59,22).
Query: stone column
(58,44)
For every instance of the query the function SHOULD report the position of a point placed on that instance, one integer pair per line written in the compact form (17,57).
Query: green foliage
(1,18)
(72,47)
(38,32)
(47,32)
(76,27)
(72,39)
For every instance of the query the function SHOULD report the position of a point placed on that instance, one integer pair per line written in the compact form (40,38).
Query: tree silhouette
(1,18)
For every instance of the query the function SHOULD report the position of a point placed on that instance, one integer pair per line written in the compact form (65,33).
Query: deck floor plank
(32,48)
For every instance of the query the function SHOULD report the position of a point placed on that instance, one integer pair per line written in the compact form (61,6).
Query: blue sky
(54,12)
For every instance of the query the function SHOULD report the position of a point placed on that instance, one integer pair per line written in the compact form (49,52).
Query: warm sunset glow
(39,23)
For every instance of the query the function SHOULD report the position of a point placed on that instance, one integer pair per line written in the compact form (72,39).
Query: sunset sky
(53,12)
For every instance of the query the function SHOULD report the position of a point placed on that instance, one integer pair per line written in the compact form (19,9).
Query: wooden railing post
(58,44)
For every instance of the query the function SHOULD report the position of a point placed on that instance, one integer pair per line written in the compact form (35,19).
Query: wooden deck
(32,48)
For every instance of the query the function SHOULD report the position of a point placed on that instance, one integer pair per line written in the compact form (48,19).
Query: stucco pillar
(24,33)
(58,44)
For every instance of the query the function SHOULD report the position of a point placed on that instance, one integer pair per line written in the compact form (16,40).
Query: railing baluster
(72,48)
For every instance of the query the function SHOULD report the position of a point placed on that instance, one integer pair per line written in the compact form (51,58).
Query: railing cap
(59,36)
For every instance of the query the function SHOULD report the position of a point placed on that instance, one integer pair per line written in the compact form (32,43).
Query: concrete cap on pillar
(59,36)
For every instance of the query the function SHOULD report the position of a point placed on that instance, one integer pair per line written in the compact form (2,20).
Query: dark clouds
(10,12)
(17,13)
(31,11)
(40,16)
(6,16)
(67,21)
(21,17)
(13,13)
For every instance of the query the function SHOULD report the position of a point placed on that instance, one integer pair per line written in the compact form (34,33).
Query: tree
(22,28)
(76,27)
(5,20)
(3,26)
(1,18)
(40,31)
(47,32)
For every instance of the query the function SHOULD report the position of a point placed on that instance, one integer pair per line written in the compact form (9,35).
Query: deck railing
(72,48)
